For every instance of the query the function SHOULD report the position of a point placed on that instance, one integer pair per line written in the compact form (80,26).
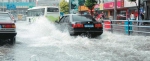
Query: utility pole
(139,8)
(115,9)
(70,6)
(3,5)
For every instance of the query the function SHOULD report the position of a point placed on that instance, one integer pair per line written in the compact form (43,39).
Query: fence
(129,27)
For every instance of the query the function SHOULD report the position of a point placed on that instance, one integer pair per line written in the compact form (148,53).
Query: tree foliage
(90,3)
(64,6)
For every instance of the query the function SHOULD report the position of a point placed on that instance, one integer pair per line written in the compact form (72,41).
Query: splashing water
(51,42)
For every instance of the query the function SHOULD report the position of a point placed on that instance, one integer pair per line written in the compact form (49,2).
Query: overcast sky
(67,0)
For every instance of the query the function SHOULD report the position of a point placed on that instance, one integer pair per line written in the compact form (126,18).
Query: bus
(50,12)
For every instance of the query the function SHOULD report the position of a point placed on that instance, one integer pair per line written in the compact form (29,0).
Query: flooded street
(42,41)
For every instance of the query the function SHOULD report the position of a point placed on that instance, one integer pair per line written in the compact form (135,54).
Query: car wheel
(12,41)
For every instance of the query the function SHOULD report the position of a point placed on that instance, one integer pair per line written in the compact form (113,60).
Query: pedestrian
(95,14)
(139,20)
(103,16)
(132,17)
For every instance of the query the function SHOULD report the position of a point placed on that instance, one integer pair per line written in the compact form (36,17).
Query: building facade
(48,2)
(125,8)
(21,6)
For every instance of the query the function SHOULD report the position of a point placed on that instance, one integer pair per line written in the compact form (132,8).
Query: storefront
(109,9)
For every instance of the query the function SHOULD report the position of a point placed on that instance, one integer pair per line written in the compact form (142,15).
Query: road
(42,41)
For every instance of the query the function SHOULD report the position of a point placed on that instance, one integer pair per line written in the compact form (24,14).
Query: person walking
(132,17)
(131,22)
(140,18)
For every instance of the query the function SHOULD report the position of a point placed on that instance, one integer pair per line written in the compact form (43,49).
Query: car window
(82,18)
(66,19)
(62,19)
(4,17)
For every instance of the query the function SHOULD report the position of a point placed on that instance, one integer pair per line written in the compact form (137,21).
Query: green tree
(64,6)
(90,4)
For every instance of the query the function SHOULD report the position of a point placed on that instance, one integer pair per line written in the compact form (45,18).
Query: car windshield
(4,17)
(82,18)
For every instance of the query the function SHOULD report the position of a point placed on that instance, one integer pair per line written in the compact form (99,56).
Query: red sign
(110,5)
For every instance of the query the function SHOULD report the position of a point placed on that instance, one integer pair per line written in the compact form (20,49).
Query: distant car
(7,28)
(78,24)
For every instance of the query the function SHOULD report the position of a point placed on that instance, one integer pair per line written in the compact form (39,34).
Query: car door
(62,23)
(66,23)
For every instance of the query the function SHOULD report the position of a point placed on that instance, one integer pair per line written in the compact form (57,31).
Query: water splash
(60,45)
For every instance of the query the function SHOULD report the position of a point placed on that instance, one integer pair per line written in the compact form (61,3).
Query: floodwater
(42,41)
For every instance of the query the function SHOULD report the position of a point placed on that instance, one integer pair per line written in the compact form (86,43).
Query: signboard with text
(11,7)
(110,5)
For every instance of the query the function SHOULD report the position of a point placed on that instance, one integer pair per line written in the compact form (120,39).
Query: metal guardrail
(127,26)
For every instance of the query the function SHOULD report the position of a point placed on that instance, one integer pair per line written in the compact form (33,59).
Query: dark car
(7,28)
(79,24)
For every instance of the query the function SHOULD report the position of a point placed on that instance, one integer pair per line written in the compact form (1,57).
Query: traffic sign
(11,7)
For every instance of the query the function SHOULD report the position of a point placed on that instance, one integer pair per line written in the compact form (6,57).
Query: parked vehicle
(7,28)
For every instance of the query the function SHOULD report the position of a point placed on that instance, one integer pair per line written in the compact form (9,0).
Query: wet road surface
(42,41)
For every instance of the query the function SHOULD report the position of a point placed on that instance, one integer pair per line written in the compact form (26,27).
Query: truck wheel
(12,41)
